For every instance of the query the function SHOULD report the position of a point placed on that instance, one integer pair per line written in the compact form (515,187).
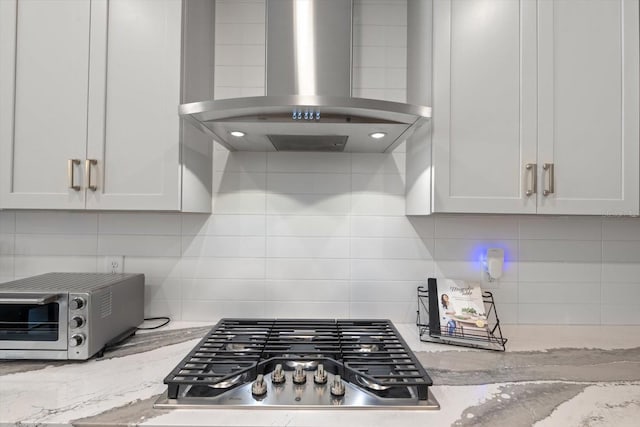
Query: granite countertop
(549,376)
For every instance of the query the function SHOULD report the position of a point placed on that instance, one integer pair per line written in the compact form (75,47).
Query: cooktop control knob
(299,375)
(277,376)
(76,303)
(320,377)
(76,340)
(259,387)
(76,321)
(337,387)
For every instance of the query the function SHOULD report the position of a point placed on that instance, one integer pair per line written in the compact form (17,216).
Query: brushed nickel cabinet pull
(532,185)
(549,182)
(71,163)
(87,169)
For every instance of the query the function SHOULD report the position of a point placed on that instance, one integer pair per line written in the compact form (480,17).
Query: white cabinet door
(588,106)
(44,59)
(134,127)
(484,105)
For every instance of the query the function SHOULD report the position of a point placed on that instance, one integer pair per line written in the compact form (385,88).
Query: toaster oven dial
(76,321)
(77,303)
(76,340)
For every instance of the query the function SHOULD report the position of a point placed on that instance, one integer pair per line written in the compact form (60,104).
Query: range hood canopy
(308,106)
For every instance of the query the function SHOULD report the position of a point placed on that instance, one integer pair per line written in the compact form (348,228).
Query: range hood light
(237,133)
(377,135)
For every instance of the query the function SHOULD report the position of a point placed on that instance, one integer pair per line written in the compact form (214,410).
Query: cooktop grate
(367,353)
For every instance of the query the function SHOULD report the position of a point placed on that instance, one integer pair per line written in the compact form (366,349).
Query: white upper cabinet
(98,83)
(44,63)
(588,106)
(521,84)
(483,105)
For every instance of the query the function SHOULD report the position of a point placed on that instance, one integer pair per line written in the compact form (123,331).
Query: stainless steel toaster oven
(68,315)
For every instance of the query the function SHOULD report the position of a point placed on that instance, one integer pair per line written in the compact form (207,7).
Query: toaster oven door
(33,321)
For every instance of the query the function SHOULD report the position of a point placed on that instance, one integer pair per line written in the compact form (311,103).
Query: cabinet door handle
(532,185)
(87,170)
(71,163)
(549,182)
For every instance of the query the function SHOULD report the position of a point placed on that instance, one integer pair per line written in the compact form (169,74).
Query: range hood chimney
(308,104)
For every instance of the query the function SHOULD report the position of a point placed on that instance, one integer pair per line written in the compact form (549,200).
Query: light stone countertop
(549,376)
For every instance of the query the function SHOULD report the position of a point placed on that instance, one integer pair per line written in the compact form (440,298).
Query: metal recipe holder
(428,322)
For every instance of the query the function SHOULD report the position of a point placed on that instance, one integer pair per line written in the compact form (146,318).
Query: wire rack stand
(488,337)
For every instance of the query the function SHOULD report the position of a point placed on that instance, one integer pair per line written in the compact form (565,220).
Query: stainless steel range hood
(308,106)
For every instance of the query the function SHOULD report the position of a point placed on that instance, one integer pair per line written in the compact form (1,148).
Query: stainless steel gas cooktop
(300,363)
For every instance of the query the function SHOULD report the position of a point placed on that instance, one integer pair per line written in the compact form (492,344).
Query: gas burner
(292,363)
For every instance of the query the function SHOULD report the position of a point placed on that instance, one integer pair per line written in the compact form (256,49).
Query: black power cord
(166,322)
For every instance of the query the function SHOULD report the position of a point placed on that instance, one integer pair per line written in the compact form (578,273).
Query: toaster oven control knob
(299,375)
(320,377)
(76,340)
(277,376)
(259,387)
(337,387)
(76,303)
(76,321)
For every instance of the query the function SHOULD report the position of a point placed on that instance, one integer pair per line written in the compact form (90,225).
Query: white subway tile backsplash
(369,203)
(473,250)
(167,289)
(240,12)
(308,269)
(222,268)
(239,76)
(239,203)
(391,269)
(56,244)
(131,223)
(223,246)
(393,95)
(7,222)
(56,223)
(391,226)
(621,251)
(239,161)
(391,291)
(391,248)
(232,182)
(222,92)
(476,227)
(6,268)
(293,225)
(389,13)
(223,225)
(380,77)
(224,289)
(503,292)
(212,311)
(245,34)
(293,162)
(473,270)
(243,56)
(621,293)
(34,265)
(558,293)
(400,312)
(368,163)
(7,244)
(621,229)
(308,183)
(561,250)
(307,310)
(378,183)
(380,35)
(559,271)
(376,56)
(550,313)
(307,290)
(160,307)
(308,204)
(620,314)
(307,247)
(132,245)
(560,228)
(159,267)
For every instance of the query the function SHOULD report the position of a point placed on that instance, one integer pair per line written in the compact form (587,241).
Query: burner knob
(259,387)
(76,303)
(299,376)
(76,321)
(277,376)
(76,340)
(337,388)
(320,376)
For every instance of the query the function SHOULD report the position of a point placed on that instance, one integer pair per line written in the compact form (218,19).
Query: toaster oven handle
(27,299)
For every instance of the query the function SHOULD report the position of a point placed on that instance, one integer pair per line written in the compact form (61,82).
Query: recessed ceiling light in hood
(308,83)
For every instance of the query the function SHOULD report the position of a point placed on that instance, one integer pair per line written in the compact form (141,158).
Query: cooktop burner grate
(368,354)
